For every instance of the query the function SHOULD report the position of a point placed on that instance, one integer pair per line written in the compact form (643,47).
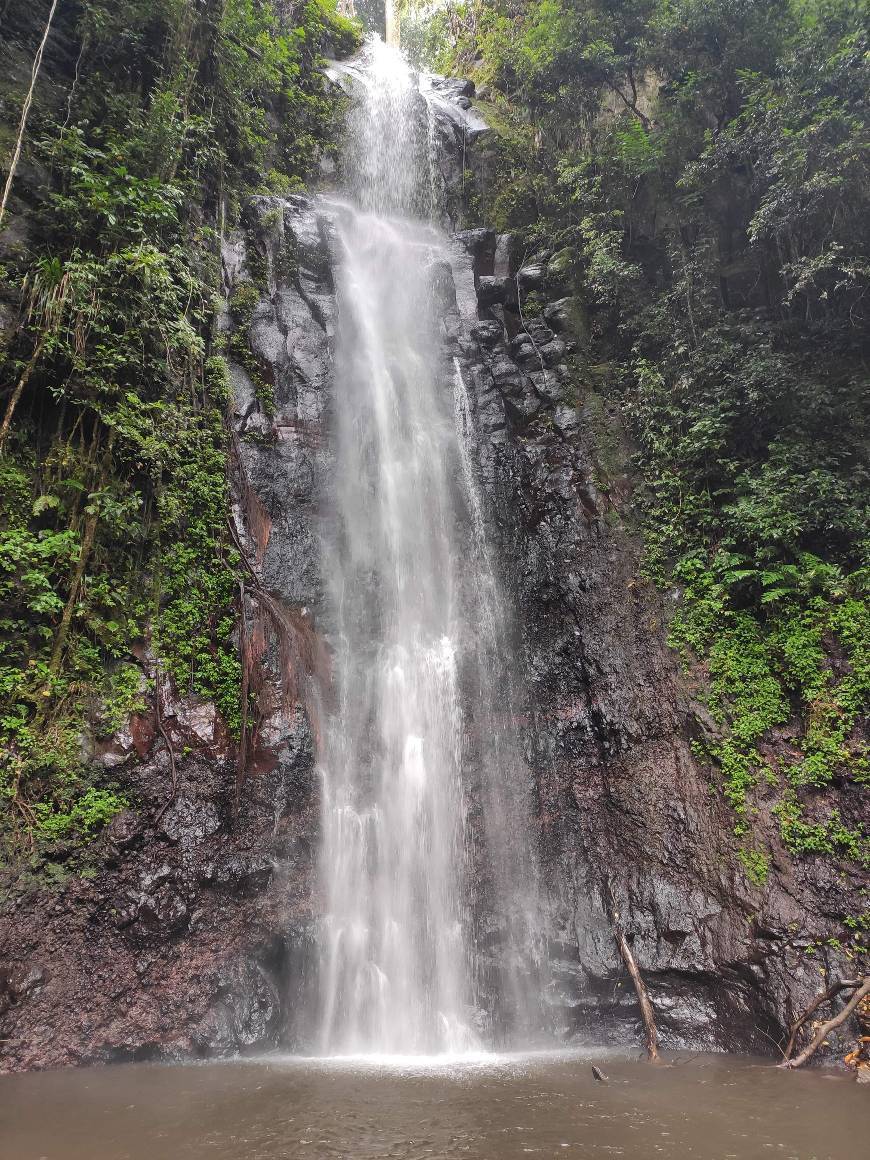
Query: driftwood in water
(646,1009)
(860,988)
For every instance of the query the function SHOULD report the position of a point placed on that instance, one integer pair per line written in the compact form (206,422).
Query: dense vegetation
(151,121)
(698,172)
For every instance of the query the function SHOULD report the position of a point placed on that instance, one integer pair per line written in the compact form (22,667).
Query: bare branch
(825,997)
(25,112)
(825,1030)
(646,1009)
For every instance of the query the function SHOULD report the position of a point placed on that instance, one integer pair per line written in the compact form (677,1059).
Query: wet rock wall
(195,933)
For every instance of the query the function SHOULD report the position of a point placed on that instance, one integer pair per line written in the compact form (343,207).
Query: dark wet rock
(244,1014)
(530,277)
(538,331)
(505,371)
(488,334)
(550,384)
(453,87)
(491,414)
(165,909)
(481,245)
(523,349)
(442,287)
(123,830)
(552,352)
(196,934)
(155,878)
(190,822)
(290,564)
(490,290)
(156,957)
(558,314)
(527,355)
(520,408)
(249,872)
(566,419)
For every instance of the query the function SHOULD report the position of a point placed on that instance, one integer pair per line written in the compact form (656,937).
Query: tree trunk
(18,392)
(82,562)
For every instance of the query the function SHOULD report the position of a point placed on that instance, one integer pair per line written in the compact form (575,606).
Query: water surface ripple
(480,1108)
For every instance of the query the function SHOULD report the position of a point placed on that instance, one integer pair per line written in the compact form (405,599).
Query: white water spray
(412,597)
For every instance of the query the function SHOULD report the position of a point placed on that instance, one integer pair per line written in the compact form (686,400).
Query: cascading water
(410,591)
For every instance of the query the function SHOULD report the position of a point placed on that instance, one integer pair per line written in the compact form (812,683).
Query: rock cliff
(194,934)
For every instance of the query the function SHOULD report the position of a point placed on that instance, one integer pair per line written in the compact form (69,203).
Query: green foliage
(795,651)
(126,697)
(756,864)
(827,837)
(704,164)
(245,300)
(114,484)
(858,926)
(88,813)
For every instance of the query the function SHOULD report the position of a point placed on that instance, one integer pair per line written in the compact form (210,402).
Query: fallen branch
(770,1039)
(825,997)
(825,1030)
(646,1009)
(25,111)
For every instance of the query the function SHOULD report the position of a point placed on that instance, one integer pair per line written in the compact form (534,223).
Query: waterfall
(413,606)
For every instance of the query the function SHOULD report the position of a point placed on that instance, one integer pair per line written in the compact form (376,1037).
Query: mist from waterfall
(416,619)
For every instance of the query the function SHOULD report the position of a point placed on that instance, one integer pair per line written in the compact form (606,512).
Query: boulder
(453,88)
(491,290)
(190,822)
(164,909)
(557,314)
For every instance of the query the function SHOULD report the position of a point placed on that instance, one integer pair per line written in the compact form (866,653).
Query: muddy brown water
(500,1108)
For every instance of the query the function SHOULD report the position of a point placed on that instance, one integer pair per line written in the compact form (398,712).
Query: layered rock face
(195,936)
(629,824)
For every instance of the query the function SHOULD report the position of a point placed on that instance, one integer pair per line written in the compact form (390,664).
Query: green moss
(84,815)
(114,487)
(828,837)
(756,864)
(128,689)
(243,305)
(610,457)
